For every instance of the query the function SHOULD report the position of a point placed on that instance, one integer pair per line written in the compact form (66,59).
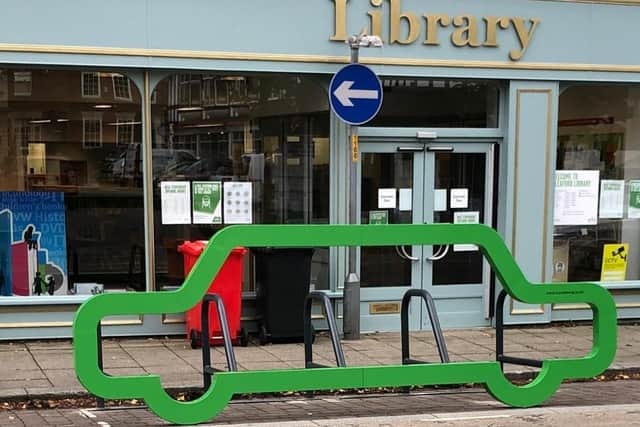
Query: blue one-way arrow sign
(355,94)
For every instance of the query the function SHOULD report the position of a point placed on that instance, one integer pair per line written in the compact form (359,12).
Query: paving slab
(21,384)
(63,378)
(16,360)
(156,355)
(54,359)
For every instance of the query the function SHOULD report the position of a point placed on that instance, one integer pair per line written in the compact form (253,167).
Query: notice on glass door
(576,200)
(440,200)
(406,195)
(206,202)
(238,204)
(459,198)
(378,217)
(466,218)
(387,198)
(611,198)
(175,199)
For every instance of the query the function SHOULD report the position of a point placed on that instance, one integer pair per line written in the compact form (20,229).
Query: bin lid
(192,248)
(195,248)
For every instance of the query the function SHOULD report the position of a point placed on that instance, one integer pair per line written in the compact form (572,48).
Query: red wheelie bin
(227,284)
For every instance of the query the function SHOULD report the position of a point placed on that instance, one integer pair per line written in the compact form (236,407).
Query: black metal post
(207,369)
(500,356)
(99,400)
(333,330)
(435,326)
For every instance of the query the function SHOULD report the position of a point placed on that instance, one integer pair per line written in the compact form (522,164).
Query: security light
(370,41)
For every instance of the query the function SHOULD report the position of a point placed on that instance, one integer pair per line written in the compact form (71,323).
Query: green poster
(378,217)
(207,208)
(634,199)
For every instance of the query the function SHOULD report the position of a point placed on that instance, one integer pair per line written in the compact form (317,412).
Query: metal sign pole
(351,301)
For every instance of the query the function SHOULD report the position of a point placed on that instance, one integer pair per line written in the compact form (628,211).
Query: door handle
(400,253)
(440,148)
(410,149)
(409,257)
(440,253)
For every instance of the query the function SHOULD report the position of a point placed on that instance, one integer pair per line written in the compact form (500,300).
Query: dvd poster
(33,246)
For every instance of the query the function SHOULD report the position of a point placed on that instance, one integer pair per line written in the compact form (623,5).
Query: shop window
(121,87)
(22,83)
(438,103)
(71,201)
(268,133)
(90,85)
(91,130)
(597,188)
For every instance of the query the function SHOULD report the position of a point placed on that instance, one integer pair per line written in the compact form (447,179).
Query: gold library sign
(463,30)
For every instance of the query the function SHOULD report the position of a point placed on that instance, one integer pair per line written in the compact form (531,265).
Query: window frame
(116,76)
(124,120)
(30,80)
(83,87)
(91,116)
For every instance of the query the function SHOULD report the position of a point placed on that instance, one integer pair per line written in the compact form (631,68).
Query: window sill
(44,300)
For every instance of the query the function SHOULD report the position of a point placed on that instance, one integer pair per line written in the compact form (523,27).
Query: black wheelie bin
(282,283)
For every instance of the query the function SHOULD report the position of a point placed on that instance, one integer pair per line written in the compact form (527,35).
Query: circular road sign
(355,94)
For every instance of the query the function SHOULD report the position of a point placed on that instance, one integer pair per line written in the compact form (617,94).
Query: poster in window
(634,199)
(33,244)
(611,198)
(238,203)
(175,199)
(206,199)
(576,197)
(614,262)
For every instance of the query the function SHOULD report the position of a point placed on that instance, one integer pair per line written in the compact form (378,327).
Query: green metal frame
(225,385)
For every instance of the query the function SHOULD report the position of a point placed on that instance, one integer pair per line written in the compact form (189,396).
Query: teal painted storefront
(524,54)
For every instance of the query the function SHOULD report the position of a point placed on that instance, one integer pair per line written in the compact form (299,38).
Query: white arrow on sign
(345,94)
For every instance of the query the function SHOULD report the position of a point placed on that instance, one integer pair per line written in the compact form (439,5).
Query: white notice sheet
(612,198)
(466,218)
(440,200)
(405,203)
(459,198)
(175,198)
(576,200)
(387,198)
(238,203)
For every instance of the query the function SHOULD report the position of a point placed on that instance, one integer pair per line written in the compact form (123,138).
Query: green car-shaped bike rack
(226,384)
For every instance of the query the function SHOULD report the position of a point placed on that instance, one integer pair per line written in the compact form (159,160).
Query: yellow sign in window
(614,262)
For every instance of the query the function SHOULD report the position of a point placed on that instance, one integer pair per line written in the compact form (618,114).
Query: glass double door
(424,183)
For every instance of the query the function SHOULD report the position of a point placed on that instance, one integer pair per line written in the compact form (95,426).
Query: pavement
(587,404)
(45,369)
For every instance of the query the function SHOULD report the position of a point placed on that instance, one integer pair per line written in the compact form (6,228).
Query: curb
(18,395)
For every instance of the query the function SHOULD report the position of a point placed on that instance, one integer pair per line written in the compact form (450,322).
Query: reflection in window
(269,130)
(121,87)
(599,130)
(66,176)
(438,103)
(22,83)
(90,85)
(125,128)
(91,130)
